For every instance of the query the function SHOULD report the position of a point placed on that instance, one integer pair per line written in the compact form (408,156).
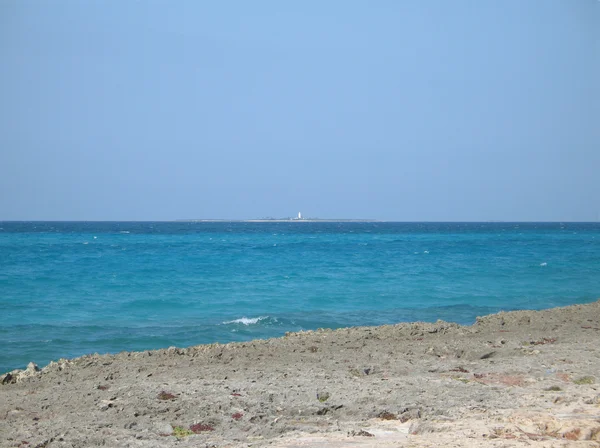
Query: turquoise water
(68,289)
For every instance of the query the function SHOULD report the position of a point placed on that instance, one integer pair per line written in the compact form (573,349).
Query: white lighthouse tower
(299,215)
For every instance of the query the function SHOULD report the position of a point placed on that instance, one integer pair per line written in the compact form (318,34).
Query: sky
(394,110)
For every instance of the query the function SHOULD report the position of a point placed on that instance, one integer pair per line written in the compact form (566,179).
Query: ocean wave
(246,320)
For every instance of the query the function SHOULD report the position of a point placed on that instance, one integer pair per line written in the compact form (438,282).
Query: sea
(73,288)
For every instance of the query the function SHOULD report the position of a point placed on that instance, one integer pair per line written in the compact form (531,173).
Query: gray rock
(16,376)
(162,428)
(8,378)
(32,368)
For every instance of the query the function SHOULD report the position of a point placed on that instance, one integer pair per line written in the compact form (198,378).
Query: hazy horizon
(289,219)
(397,111)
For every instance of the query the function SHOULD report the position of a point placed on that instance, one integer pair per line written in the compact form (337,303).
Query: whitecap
(246,320)
(124,231)
(544,264)
(425,251)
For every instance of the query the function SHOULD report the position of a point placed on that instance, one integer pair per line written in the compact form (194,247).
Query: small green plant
(461,379)
(180,432)
(323,396)
(553,389)
(584,380)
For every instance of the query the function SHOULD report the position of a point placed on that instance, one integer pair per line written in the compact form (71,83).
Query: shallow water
(67,289)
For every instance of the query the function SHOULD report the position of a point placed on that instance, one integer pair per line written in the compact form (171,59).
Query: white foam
(247,320)
(544,264)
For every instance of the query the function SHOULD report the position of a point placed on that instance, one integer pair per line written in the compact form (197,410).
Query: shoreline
(243,343)
(287,334)
(519,376)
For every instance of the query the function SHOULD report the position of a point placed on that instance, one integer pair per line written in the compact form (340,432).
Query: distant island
(298,218)
(278,220)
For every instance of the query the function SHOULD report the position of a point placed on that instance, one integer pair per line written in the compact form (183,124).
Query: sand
(526,378)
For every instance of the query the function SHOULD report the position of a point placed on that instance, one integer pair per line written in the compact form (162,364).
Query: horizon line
(267,220)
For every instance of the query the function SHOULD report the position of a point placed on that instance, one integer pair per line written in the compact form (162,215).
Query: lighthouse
(299,215)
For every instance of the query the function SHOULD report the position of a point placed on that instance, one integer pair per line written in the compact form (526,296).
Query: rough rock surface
(512,379)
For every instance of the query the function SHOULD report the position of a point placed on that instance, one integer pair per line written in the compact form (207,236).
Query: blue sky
(397,110)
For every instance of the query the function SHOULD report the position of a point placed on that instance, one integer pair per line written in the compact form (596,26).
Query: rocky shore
(526,378)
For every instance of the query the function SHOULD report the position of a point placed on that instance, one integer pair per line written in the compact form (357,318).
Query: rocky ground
(512,379)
